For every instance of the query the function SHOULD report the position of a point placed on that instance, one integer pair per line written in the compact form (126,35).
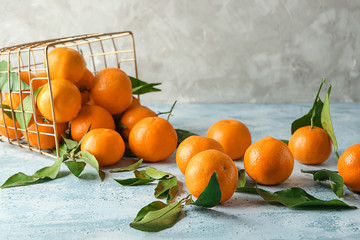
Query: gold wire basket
(99,51)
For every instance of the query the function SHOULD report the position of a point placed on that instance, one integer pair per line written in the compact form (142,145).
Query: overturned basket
(99,51)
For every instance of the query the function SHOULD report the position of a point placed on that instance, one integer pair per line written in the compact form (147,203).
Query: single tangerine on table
(349,167)
(112,90)
(44,128)
(233,135)
(153,139)
(132,116)
(201,167)
(66,63)
(310,145)
(66,99)
(192,146)
(268,161)
(105,144)
(96,116)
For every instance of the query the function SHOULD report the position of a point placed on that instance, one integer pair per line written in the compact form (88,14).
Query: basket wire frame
(103,50)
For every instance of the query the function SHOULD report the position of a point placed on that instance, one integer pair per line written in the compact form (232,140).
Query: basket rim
(44,44)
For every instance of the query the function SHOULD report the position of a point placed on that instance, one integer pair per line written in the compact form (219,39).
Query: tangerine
(45,129)
(153,139)
(112,90)
(201,167)
(96,116)
(105,144)
(66,99)
(233,135)
(66,63)
(349,167)
(268,161)
(310,145)
(132,116)
(192,146)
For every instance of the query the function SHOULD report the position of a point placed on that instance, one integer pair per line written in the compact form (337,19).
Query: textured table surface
(86,208)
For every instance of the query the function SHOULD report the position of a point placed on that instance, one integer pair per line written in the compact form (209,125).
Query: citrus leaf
(134,181)
(8,113)
(285,141)
(156,205)
(242,178)
(24,120)
(63,149)
(183,134)
(211,196)
(14,79)
(128,168)
(166,188)
(326,119)
(335,180)
(306,119)
(75,168)
(155,173)
(141,174)
(295,197)
(85,156)
(157,217)
(47,172)
(70,144)
(140,87)
(18,179)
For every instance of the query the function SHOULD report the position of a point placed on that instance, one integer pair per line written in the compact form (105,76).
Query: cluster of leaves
(319,115)
(296,197)
(70,154)
(158,215)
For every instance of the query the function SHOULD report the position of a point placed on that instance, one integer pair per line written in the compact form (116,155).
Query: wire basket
(99,51)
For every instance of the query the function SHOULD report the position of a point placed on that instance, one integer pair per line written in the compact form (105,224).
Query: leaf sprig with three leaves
(70,154)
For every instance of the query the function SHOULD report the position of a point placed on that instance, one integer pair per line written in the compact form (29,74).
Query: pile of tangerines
(82,101)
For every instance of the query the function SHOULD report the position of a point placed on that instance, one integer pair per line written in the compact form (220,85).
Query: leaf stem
(168,112)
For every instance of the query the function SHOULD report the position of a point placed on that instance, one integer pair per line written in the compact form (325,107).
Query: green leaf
(84,156)
(295,197)
(183,134)
(24,120)
(211,196)
(63,149)
(156,174)
(306,119)
(51,171)
(156,205)
(141,174)
(166,188)
(157,217)
(46,172)
(71,144)
(242,178)
(75,167)
(134,181)
(285,141)
(8,113)
(335,180)
(18,179)
(14,79)
(326,120)
(140,87)
(128,168)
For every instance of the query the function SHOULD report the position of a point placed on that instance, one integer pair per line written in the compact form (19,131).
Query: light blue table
(86,208)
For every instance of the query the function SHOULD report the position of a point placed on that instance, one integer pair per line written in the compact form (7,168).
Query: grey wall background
(257,51)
